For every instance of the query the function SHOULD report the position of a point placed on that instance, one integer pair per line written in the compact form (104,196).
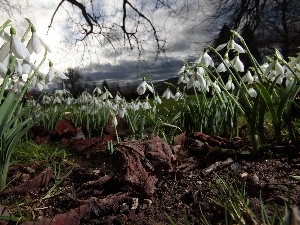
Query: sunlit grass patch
(48,155)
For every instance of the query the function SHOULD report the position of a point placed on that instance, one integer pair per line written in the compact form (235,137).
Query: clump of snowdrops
(250,92)
(224,90)
(18,73)
(92,112)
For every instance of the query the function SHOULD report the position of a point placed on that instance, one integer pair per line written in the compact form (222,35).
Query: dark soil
(145,181)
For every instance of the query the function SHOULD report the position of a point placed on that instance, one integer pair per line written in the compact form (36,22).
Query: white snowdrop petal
(36,43)
(19,49)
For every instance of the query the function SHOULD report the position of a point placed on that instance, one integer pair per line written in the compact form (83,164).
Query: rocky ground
(146,181)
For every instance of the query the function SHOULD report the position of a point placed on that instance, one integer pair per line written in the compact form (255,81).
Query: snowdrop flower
(158,99)
(237,64)
(3,70)
(229,85)
(191,81)
(106,95)
(69,101)
(231,45)
(216,87)
(4,50)
(206,60)
(248,77)
(57,100)
(117,98)
(252,93)
(143,87)
(168,94)
(197,79)
(26,67)
(46,99)
(97,90)
(183,79)
(146,105)
(274,69)
(36,43)
(121,111)
(17,47)
(177,96)
(222,67)
(114,121)
(18,86)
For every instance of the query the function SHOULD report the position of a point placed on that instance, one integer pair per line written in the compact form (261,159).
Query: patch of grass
(48,155)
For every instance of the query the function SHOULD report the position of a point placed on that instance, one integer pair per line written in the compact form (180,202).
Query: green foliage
(28,151)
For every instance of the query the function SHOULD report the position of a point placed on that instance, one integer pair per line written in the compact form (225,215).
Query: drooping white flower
(206,60)
(273,70)
(216,87)
(158,99)
(97,90)
(143,87)
(17,47)
(50,75)
(114,121)
(106,95)
(146,105)
(177,96)
(183,79)
(222,67)
(18,68)
(191,82)
(229,85)
(168,94)
(231,45)
(34,44)
(26,67)
(252,92)
(69,100)
(4,50)
(237,64)
(3,70)
(121,111)
(248,77)
(202,82)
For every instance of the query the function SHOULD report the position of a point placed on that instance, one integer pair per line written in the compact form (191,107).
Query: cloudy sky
(185,38)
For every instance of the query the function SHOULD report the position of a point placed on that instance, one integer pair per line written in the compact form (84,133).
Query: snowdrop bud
(252,93)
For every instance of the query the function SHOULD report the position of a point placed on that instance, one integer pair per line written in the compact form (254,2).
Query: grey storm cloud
(126,72)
